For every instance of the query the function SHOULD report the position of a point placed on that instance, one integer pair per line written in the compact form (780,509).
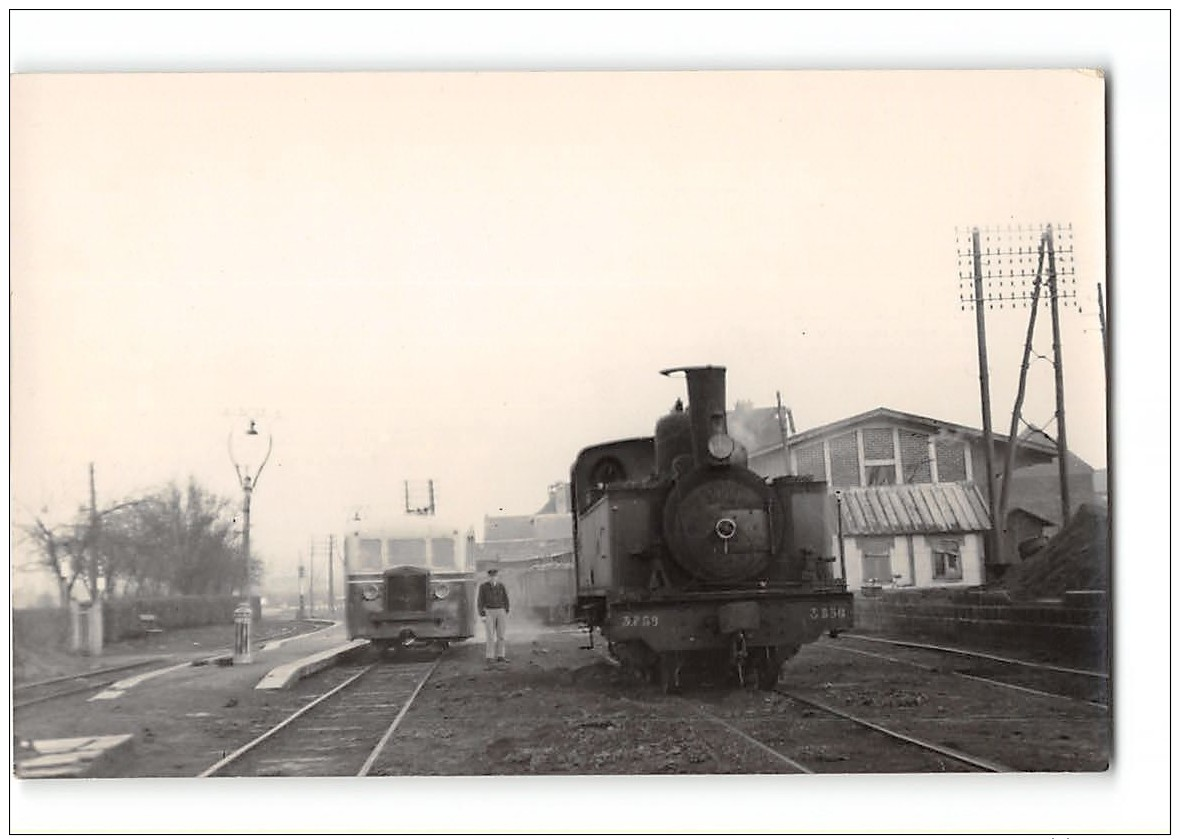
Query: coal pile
(1077,558)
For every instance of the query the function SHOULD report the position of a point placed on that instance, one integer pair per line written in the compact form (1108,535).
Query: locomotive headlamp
(721,446)
(440,590)
(726,528)
(369,591)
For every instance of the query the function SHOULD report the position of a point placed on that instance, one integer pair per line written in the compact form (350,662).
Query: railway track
(824,742)
(1053,681)
(341,732)
(34,693)
(808,743)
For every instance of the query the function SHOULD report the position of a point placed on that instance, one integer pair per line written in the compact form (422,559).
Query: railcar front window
(406,551)
(370,558)
(442,554)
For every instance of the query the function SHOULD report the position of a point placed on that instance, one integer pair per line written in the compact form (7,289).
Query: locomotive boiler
(691,565)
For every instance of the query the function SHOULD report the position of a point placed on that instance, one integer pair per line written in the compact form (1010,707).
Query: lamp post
(248,467)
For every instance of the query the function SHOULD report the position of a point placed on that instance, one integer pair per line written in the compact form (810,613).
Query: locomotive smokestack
(706,405)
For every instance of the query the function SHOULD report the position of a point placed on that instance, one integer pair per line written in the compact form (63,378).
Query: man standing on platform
(492,602)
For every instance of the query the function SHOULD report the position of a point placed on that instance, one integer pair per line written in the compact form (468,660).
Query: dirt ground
(558,709)
(555,708)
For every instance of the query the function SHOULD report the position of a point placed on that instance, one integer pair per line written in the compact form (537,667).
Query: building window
(875,566)
(915,457)
(952,460)
(880,465)
(948,562)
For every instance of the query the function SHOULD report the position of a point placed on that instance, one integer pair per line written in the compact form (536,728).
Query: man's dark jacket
(492,595)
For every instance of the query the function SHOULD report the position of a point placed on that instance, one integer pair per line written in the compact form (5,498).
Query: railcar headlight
(440,590)
(721,446)
(369,591)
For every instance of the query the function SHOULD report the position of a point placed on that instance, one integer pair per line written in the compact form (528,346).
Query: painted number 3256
(818,612)
(640,620)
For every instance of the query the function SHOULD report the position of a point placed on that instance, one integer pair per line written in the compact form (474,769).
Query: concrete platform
(288,674)
(71,757)
(96,756)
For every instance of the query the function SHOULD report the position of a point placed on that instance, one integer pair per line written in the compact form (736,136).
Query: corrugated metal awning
(914,508)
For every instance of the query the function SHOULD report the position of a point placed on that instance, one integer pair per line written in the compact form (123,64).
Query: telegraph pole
(94,635)
(1014,427)
(331,585)
(302,613)
(1059,380)
(1006,266)
(311,579)
(985,395)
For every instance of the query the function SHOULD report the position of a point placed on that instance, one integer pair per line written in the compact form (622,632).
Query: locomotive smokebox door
(722,526)
(740,616)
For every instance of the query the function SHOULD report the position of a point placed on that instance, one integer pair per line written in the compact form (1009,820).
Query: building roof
(1038,444)
(913,508)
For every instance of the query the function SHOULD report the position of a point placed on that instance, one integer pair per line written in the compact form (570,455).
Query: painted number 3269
(818,612)
(640,620)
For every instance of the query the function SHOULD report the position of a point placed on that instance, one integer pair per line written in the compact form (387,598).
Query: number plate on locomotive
(827,612)
(639,620)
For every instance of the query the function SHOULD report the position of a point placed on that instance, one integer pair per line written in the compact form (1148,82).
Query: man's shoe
(501,658)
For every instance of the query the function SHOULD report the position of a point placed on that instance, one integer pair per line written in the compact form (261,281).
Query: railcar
(689,564)
(411,583)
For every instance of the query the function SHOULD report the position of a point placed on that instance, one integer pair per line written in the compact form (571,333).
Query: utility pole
(1059,380)
(311,579)
(302,613)
(1005,491)
(331,585)
(993,554)
(1006,266)
(94,635)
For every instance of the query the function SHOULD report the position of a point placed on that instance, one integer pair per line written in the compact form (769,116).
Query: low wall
(121,617)
(49,628)
(1068,633)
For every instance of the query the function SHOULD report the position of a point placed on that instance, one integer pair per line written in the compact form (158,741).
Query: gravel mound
(1077,558)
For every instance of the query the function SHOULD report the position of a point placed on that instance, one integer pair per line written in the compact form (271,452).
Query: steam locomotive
(689,564)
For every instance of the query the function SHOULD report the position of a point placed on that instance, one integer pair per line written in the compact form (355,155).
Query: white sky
(470,276)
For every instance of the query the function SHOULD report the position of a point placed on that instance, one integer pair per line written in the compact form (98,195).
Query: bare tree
(167,542)
(58,550)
